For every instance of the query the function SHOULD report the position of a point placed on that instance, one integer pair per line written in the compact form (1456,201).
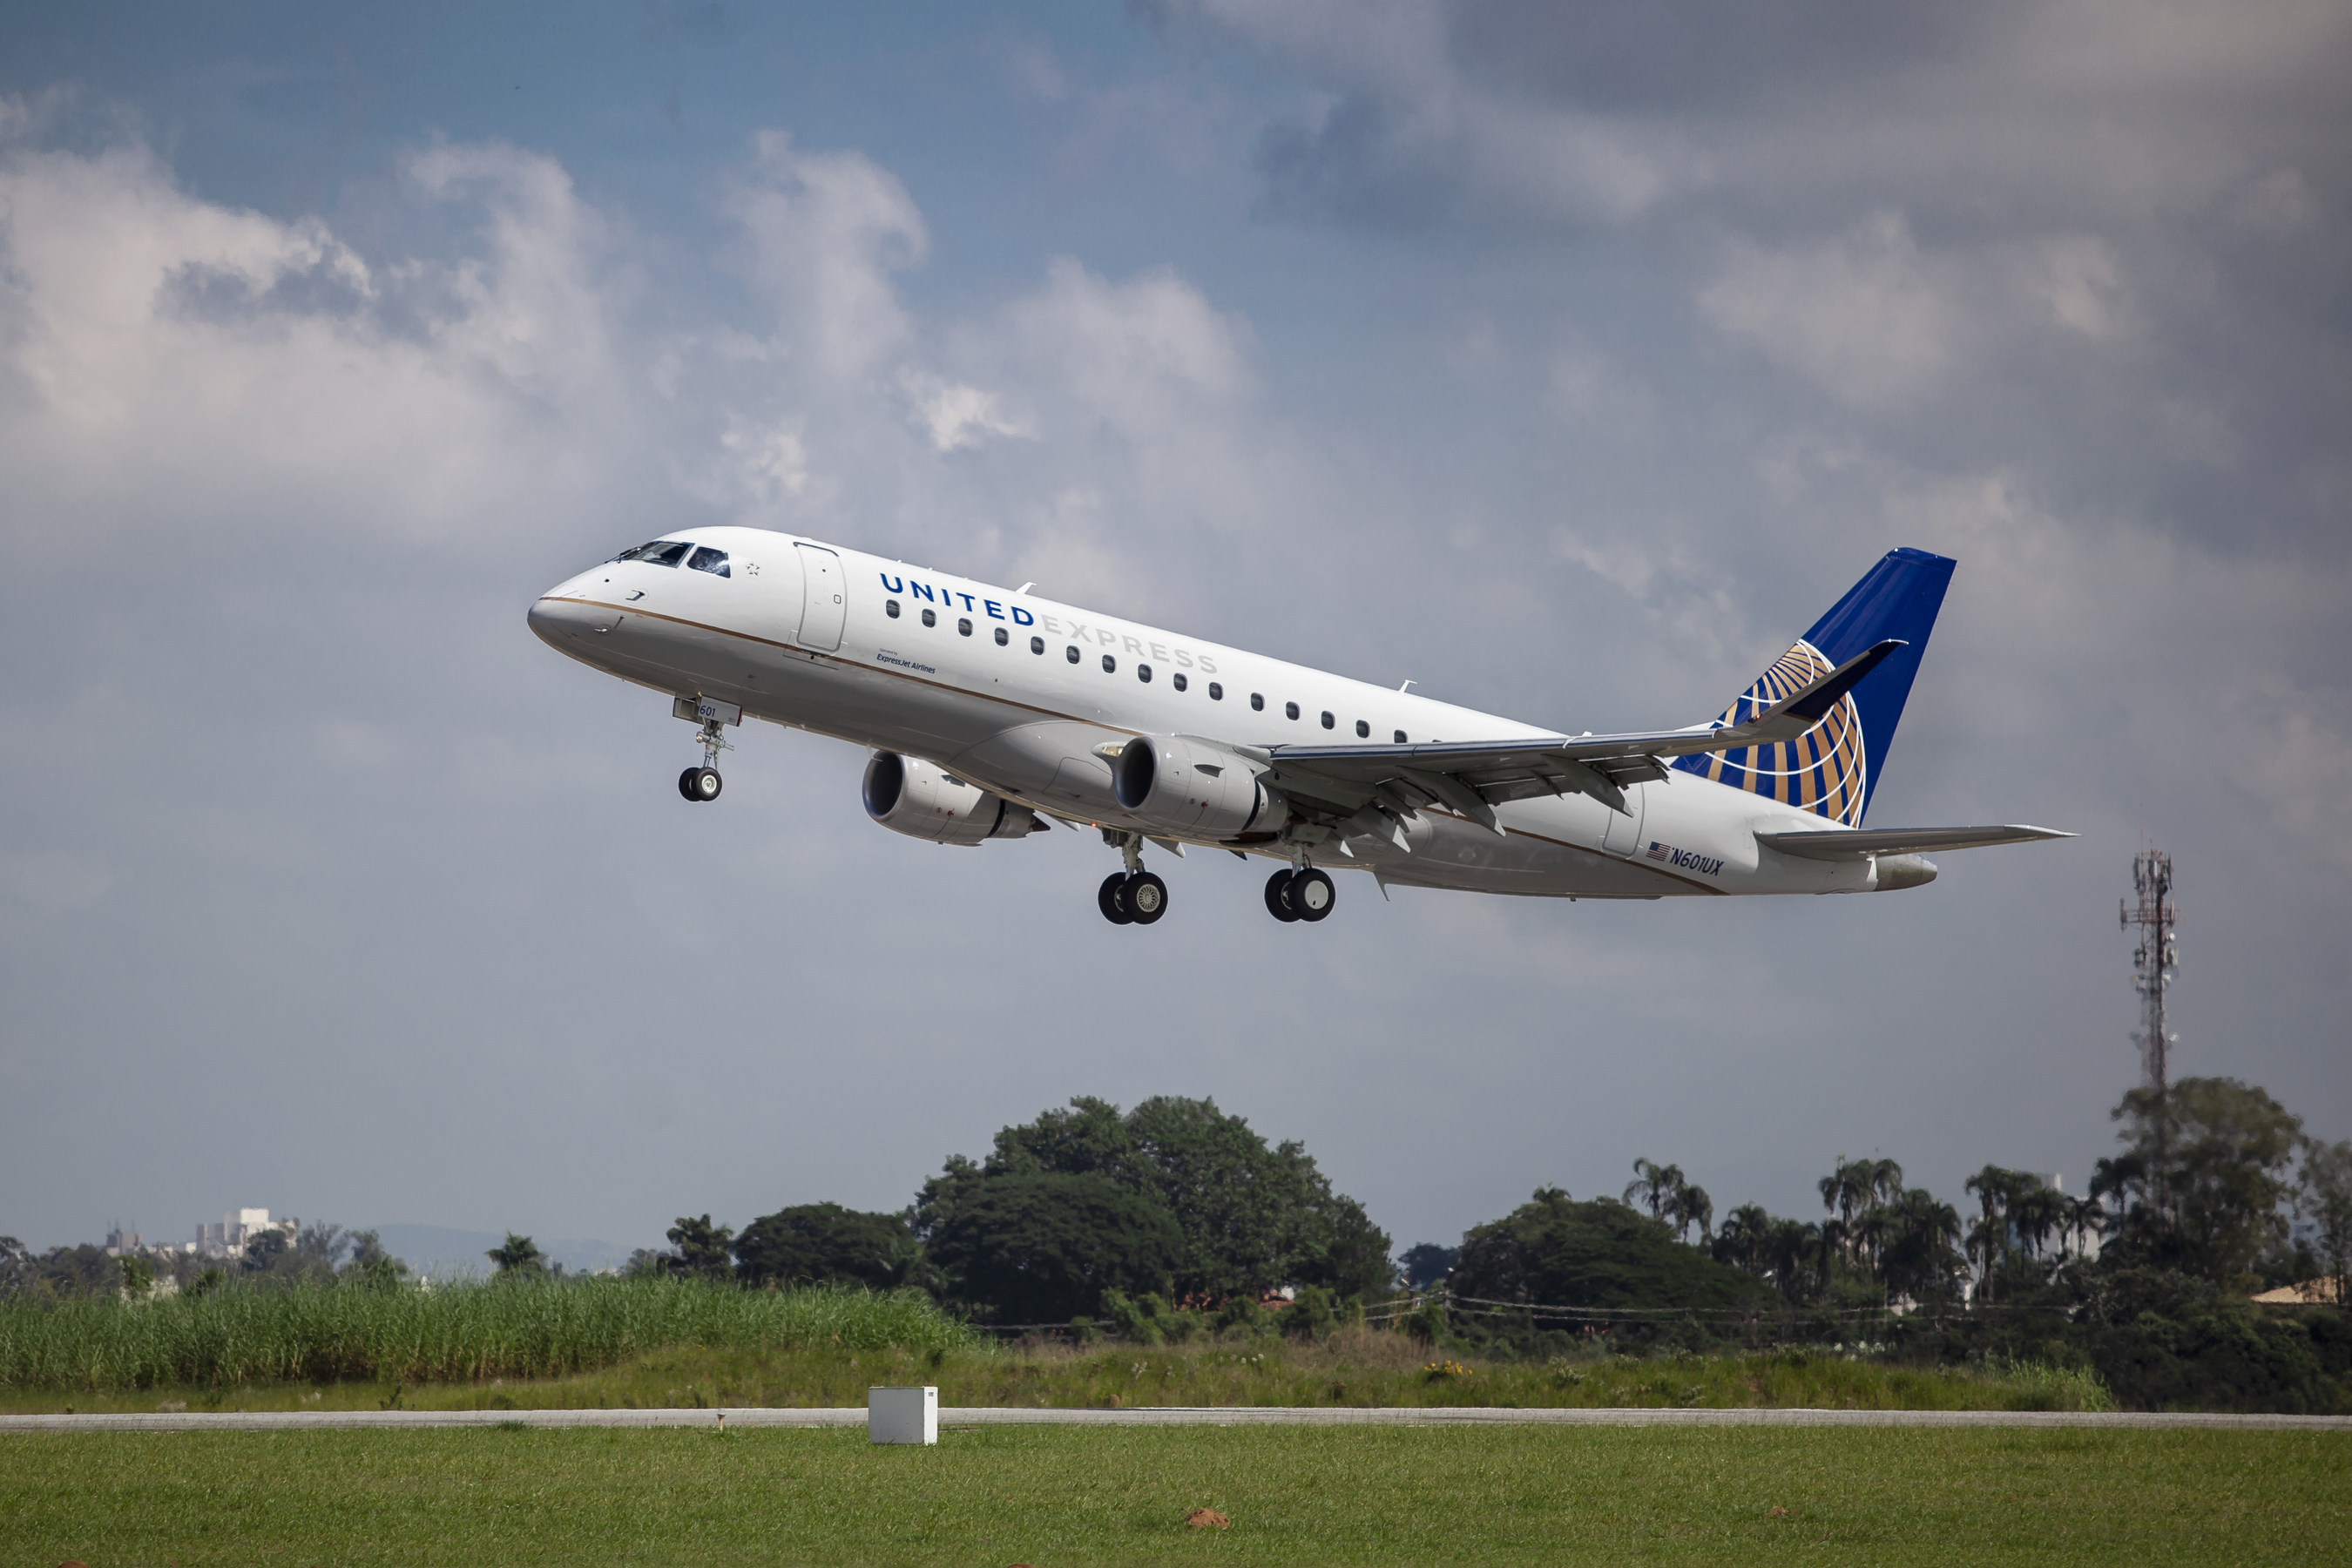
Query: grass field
(1064,1495)
(1355,1367)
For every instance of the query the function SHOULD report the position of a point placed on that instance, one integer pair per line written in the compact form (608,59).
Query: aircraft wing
(1855,844)
(1474,777)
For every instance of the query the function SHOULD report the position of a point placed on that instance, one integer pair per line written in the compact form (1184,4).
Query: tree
(1252,1216)
(1918,1255)
(371,1265)
(1653,1188)
(1784,1253)
(700,1250)
(1426,1263)
(263,1251)
(1553,1251)
(2202,1178)
(821,1244)
(1042,1247)
(519,1257)
(2014,1216)
(2323,1198)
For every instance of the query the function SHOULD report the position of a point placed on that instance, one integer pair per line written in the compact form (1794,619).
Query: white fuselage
(800,633)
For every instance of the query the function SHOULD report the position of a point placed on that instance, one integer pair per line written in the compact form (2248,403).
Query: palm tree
(1988,1245)
(1744,1240)
(519,1257)
(1654,1188)
(1690,1207)
(2084,1217)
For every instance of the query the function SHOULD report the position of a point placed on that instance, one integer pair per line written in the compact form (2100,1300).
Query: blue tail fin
(1834,770)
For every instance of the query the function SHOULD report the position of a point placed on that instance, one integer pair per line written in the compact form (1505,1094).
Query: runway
(968,1417)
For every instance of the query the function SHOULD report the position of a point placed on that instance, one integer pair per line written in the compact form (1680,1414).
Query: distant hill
(442,1252)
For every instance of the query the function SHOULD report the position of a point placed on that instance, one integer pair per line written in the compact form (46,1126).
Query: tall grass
(234,1336)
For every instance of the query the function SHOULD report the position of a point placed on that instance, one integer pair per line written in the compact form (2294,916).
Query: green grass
(1067,1494)
(1355,1367)
(466,1332)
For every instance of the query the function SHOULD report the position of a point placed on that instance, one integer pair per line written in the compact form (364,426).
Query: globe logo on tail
(1823,771)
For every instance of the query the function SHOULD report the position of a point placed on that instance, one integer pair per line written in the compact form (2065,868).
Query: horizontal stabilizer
(1860,843)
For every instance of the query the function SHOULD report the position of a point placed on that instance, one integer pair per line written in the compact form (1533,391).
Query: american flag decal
(1658,850)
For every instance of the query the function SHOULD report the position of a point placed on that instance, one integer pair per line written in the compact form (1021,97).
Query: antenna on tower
(2154,960)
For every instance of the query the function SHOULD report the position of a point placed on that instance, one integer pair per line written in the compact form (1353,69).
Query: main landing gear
(1132,897)
(1302,893)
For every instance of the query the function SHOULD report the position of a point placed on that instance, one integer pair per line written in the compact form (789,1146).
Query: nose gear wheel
(699,783)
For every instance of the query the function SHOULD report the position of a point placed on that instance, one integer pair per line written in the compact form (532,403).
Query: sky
(1567,360)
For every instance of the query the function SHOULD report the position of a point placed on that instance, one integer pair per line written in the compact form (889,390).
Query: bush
(1310,1315)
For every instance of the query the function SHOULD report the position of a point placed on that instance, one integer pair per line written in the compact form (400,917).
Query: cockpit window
(711,561)
(660,553)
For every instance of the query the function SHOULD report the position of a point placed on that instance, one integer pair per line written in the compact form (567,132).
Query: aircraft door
(823,596)
(1623,835)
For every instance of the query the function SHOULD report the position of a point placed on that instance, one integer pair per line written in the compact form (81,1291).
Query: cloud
(955,416)
(1865,316)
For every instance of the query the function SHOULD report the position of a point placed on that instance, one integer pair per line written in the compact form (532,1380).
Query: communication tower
(2154,960)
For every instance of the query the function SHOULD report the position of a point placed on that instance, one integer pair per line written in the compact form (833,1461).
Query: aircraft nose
(556,620)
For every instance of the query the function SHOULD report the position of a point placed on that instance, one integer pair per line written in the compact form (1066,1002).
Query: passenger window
(1399,737)
(929,619)
(1036,644)
(1217,691)
(1257,702)
(1178,679)
(1290,710)
(714,561)
(963,627)
(1073,651)
(660,553)
(1327,718)
(1363,730)
(1001,637)
(890,608)
(1110,665)
(1143,673)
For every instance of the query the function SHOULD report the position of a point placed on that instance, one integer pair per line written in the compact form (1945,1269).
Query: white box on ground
(902,1415)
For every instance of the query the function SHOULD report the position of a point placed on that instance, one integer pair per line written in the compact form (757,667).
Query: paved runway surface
(1241,1415)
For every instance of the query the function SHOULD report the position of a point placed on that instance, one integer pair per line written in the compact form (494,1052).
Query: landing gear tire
(1113,900)
(1146,898)
(1312,894)
(1277,897)
(699,783)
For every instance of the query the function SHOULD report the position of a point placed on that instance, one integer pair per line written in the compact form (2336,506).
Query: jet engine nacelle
(1190,789)
(919,800)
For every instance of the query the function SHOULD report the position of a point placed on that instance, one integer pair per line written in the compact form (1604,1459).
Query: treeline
(2217,1193)
(313,1255)
(1157,1218)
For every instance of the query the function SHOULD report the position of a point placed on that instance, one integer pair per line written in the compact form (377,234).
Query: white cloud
(955,416)
(824,233)
(1865,316)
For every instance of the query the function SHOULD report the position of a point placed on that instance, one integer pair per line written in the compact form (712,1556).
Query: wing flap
(1856,843)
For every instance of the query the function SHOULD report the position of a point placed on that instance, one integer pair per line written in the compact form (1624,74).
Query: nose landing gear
(703,782)
(1132,897)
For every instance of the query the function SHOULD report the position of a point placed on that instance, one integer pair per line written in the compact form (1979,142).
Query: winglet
(1812,703)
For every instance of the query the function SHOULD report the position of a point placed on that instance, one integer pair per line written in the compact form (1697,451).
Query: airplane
(991,711)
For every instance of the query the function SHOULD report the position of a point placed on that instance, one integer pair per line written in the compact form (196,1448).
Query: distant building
(237,1229)
(122,1243)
